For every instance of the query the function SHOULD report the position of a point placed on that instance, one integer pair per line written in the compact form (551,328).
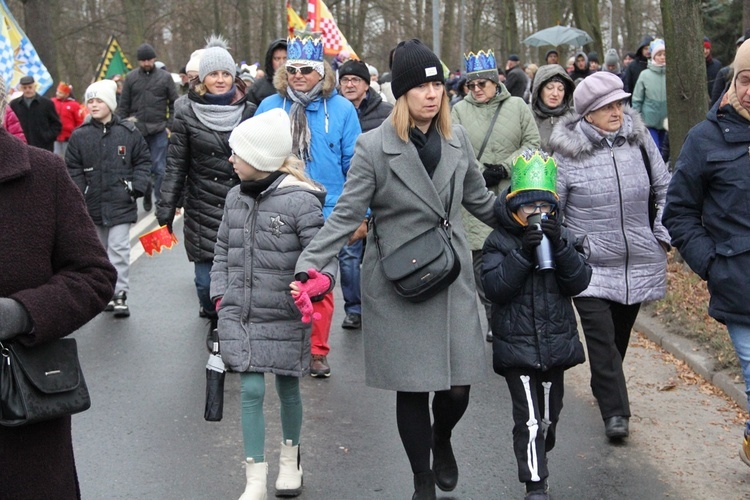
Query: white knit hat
(195,61)
(264,141)
(106,90)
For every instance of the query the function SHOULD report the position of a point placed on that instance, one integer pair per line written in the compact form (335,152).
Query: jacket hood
(281,82)
(505,217)
(501,95)
(543,75)
(571,140)
(290,183)
(268,67)
(645,42)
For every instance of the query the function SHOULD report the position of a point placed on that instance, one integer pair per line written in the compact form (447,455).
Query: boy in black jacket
(535,336)
(109,161)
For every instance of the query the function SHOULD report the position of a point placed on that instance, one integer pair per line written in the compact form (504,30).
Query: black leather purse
(426,264)
(40,383)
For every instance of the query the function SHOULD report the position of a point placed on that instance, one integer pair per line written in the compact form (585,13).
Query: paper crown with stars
(533,171)
(305,47)
(481,65)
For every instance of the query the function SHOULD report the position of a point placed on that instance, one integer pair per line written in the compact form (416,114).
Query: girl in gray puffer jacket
(268,220)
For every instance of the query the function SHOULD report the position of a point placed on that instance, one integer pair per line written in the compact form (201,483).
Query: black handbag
(426,264)
(40,383)
(215,373)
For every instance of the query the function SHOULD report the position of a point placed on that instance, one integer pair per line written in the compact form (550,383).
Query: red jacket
(13,124)
(70,115)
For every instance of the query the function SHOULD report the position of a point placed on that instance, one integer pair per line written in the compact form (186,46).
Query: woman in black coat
(54,277)
(198,161)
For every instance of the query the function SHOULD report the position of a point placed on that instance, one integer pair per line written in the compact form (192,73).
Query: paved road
(145,437)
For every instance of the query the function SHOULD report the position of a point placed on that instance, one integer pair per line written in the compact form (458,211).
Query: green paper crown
(533,170)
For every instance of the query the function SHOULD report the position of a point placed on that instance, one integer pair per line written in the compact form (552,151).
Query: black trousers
(607,326)
(537,401)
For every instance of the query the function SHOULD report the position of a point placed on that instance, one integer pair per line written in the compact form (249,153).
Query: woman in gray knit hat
(198,166)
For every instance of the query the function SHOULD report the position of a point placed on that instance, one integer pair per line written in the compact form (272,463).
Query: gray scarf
(300,129)
(218,117)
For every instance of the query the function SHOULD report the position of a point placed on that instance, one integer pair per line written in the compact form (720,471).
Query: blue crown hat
(481,65)
(306,47)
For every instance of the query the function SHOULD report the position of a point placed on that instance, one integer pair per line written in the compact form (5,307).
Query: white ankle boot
(257,476)
(289,483)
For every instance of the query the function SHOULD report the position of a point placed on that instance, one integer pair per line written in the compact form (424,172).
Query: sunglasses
(531,208)
(481,85)
(305,70)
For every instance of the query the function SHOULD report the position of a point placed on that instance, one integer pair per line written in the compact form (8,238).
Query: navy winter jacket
(533,324)
(707,211)
(100,159)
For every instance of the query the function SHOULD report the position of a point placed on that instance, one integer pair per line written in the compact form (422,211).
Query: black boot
(424,486)
(444,463)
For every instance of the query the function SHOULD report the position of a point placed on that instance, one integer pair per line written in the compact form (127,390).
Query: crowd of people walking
(547,184)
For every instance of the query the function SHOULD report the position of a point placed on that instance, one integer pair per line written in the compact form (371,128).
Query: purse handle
(444,221)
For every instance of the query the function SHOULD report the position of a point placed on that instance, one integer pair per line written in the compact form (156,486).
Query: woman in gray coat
(405,171)
(603,185)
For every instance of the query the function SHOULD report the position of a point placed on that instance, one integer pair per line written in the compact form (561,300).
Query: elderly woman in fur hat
(198,157)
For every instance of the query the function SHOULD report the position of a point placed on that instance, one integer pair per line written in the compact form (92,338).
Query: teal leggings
(253,421)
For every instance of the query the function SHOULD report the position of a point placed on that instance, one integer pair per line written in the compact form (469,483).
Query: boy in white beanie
(277,335)
(109,161)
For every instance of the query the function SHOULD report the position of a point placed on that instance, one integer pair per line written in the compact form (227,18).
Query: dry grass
(684,311)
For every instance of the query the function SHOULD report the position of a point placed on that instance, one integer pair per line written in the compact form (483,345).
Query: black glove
(531,238)
(301,277)
(167,222)
(493,174)
(553,230)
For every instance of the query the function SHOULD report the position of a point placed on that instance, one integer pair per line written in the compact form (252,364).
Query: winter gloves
(553,230)
(309,284)
(493,174)
(531,238)
(14,319)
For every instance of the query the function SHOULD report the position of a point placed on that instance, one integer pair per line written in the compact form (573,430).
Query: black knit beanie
(355,68)
(414,64)
(145,52)
(515,200)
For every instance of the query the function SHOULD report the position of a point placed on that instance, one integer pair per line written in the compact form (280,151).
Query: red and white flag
(319,19)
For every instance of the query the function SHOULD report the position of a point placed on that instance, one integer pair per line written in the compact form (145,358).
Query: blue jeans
(740,334)
(157,145)
(350,257)
(203,284)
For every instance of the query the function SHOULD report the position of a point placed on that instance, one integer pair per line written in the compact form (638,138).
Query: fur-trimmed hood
(281,82)
(569,138)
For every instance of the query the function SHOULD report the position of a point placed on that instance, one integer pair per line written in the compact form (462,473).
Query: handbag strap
(646,162)
(489,130)
(443,221)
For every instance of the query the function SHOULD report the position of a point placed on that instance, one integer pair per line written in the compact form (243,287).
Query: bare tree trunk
(512,43)
(686,73)
(41,32)
(135,24)
(745,15)
(243,48)
(586,16)
(631,35)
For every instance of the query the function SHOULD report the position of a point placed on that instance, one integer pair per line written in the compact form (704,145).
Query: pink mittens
(317,284)
(303,303)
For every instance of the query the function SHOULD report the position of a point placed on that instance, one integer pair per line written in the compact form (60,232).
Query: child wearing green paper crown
(535,337)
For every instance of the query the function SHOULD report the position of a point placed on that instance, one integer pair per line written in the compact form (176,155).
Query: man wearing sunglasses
(325,128)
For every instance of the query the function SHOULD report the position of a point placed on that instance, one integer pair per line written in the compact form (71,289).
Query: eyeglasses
(354,80)
(481,85)
(305,70)
(531,208)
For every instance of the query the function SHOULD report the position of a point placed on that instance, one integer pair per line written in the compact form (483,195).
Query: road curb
(693,354)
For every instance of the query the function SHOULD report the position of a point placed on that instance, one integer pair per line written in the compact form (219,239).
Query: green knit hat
(533,178)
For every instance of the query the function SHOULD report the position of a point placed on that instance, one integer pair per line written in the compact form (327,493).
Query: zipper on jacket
(253,222)
(622,226)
